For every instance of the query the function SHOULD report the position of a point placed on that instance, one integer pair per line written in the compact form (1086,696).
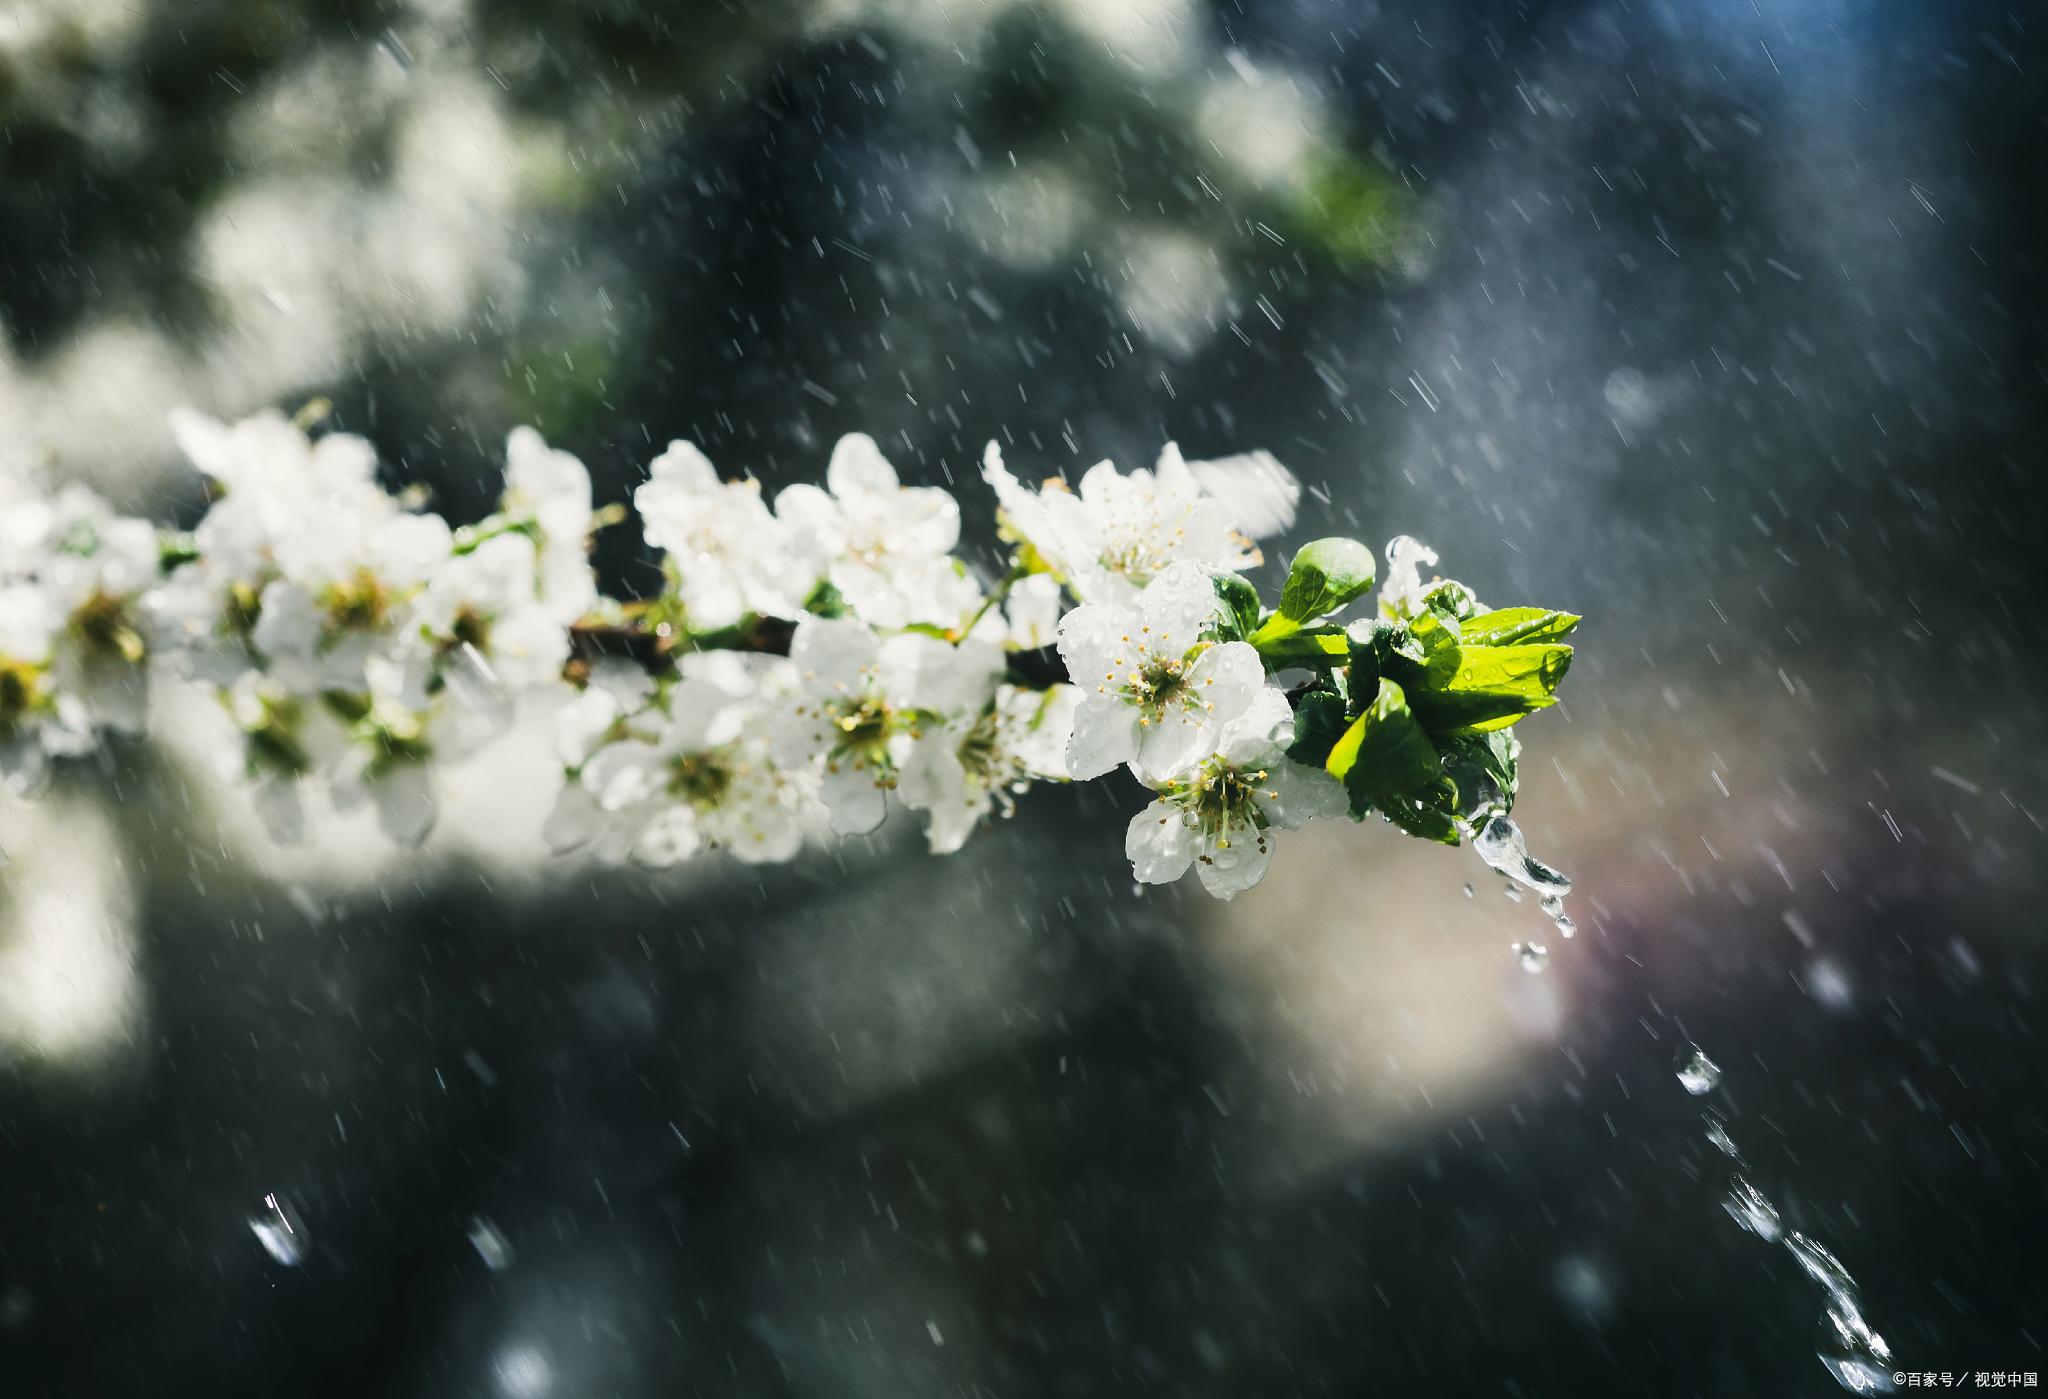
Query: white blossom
(1155,690)
(1222,815)
(548,491)
(978,762)
(864,702)
(727,552)
(886,547)
(1118,532)
(697,771)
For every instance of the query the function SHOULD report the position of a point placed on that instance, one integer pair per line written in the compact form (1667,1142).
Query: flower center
(102,622)
(358,603)
(864,725)
(1220,797)
(701,779)
(1161,683)
(20,690)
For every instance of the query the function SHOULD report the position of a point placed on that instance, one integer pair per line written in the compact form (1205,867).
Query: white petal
(1096,643)
(572,821)
(1168,748)
(624,774)
(1258,493)
(834,652)
(1293,793)
(1228,870)
(406,806)
(1179,603)
(1159,844)
(1262,726)
(856,803)
(859,468)
(683,465)
(1227,679)
(669,838)
(1105,737)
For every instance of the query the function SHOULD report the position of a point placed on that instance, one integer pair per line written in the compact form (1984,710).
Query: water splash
(1747,1206)
(1500,843)
(1852,1352)
(1697,1073)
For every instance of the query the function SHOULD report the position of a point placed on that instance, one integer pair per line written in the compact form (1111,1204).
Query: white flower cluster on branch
(806,658)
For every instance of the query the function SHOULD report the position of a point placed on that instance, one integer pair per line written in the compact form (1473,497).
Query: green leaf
(1510,626)
(1240,607)
(825,601)
(1384,752)
(1318,724)
(1473,689)
(1429,812)
(1316,647)
(1325,575)
(1482,760)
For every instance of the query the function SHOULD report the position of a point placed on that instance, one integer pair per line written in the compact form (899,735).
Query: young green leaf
(1240,617)
(1318,724)
(1384,752)
(1325,575)
(1474,689)
(1511,626)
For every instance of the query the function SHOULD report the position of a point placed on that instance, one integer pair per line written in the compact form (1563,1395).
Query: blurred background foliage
(1717,322)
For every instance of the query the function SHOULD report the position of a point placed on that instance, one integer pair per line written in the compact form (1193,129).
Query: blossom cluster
(809,661)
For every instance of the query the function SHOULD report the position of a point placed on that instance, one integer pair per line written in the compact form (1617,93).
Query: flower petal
(1229,869)
(1105,737)
(1159,844)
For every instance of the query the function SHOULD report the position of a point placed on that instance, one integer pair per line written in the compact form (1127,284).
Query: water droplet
(1747,1206)
(1824,1268)
(1500,844)
(1565,927)
(1534,956)
(1551,904)
(1513,892)
(1697,1073)
(1469,892)
(490,1243)
(279,1231)
(1854,1354)
(1718,1135)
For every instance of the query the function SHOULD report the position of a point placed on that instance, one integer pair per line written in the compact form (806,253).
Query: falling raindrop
(1534,956)
(1747,1206)
(1718,1135)
(490,1243)
(1697,1073)
(280,1232)
(1552,905)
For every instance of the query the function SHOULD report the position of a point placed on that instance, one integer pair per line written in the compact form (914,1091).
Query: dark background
(1717,322)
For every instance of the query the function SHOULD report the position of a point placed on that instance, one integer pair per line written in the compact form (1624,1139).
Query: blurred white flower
(977,762)
(1221,817)
(697,771)
(1119,532)
(885,546)
(1402,590)
(864,702)
(727,552)
(1155,692)
(548,490)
